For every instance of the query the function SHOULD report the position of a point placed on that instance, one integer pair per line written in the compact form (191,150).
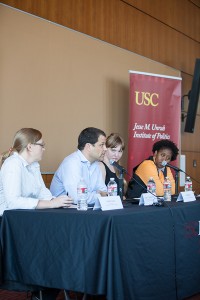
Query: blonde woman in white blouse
(21,183)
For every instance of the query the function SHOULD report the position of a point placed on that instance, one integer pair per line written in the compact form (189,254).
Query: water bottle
(112,187)
(82,195)
(188,184)
(151,186)
(167,189)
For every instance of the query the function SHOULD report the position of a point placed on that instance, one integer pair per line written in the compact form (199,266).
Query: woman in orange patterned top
(163,150)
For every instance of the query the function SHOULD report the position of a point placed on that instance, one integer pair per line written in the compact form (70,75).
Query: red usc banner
(155,113)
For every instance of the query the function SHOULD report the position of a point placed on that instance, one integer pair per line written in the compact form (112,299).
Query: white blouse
(21,184)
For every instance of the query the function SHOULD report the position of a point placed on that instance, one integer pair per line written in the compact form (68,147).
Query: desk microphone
(123,170)
(117,166)
(164,164)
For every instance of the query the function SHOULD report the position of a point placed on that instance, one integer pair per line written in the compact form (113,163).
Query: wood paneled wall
(164,31)
(47,179)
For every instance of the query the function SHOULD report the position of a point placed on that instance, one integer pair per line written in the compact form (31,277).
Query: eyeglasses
(40,144)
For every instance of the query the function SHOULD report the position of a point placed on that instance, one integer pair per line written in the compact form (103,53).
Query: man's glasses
(40,144)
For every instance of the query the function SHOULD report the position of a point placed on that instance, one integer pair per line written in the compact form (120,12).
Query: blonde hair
(22,138)
(114,140)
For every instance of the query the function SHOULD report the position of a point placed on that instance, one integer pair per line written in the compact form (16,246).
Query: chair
(67,295)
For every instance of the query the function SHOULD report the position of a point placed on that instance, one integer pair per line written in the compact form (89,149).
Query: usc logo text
(144,98)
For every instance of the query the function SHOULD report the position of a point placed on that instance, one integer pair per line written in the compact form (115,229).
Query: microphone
(123,170)
(164,164)
(117,166)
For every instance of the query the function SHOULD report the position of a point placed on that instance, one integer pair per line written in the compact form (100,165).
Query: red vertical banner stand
(155,113)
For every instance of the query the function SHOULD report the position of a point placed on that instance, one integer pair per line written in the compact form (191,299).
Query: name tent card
(186,196)
(108,203)
(147,199)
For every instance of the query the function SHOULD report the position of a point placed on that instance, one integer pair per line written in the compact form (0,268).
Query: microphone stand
(121,183)
(176,181)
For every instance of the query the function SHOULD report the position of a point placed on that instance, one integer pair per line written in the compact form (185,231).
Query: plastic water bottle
(112,187)
(188,184)
(151,186)
(167,189)
(82,195)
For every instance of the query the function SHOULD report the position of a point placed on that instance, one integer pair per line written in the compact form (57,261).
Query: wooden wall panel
(181,15)
(156,40)
(47,177)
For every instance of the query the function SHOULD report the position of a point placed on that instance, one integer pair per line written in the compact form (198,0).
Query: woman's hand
(61,201)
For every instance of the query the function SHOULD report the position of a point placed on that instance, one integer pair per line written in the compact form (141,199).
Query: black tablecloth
(137,253)
(187,248)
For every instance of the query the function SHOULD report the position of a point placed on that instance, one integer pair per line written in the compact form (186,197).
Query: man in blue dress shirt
(82,163)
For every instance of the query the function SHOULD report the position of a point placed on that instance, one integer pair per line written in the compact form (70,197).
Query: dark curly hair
(166,144)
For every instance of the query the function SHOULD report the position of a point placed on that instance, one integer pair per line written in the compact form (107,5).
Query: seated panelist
(163,150)
(83,163)
(114,151)
(21,183)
